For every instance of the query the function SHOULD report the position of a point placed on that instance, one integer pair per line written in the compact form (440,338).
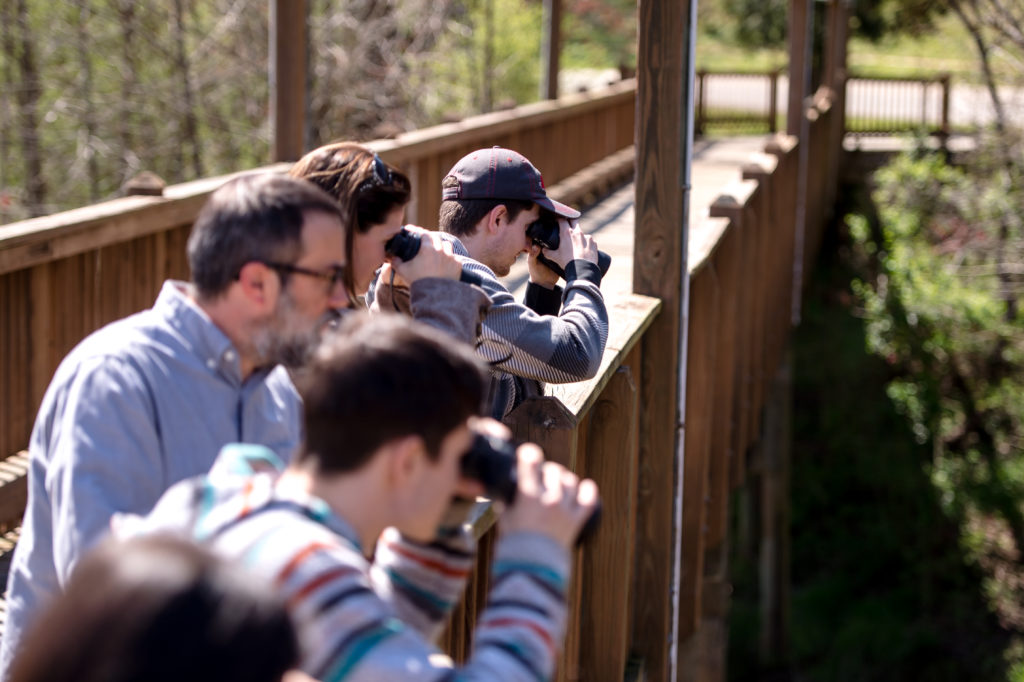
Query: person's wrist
(583,269)
(544,281)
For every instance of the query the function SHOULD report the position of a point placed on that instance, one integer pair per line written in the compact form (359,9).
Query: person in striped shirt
(365,534)
(489,199)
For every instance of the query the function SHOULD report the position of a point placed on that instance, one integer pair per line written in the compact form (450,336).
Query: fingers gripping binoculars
(545,234)
(404,245)
(492,462)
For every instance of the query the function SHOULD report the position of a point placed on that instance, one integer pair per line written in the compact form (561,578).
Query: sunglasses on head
(381,175)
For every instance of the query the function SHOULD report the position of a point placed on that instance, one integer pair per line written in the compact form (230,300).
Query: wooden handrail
(40,240)
(478,130)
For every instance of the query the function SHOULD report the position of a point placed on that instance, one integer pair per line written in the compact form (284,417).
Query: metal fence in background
(731,103)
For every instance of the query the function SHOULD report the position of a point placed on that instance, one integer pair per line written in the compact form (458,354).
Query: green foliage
(115,87)
(881,590)
(939,305)
(763,23)
(759,23)
(599,33)
(876,19)
(488,45)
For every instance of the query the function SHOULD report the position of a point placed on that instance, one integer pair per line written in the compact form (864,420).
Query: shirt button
(229,356)
(211,364)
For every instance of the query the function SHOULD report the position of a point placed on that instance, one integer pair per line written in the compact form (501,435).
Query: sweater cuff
(536,553)
(583,269)
(542,300)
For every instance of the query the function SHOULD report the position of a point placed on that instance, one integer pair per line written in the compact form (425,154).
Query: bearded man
(149,400)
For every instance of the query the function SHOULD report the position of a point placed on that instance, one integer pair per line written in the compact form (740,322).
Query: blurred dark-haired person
(149,400)
(160,609)
(489,199)
(373,196)
(360,534)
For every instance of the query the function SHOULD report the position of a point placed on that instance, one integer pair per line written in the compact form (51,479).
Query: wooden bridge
(717,239)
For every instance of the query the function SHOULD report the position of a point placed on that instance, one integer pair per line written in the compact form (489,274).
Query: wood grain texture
(607,570)
(659,267)
(700,394)
(289,62)
(724,416)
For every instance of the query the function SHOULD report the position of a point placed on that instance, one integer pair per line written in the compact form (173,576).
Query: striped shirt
(363,620)
(523,344)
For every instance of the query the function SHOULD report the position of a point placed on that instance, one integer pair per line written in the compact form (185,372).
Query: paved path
(716,163)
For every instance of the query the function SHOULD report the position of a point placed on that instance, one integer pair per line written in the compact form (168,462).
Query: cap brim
(557,207)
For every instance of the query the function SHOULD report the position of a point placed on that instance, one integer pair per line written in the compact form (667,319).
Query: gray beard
(277,343)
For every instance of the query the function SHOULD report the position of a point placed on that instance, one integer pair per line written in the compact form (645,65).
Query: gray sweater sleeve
(449,305)
(555,348)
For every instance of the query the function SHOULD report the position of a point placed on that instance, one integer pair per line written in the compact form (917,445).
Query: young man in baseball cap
(489,199)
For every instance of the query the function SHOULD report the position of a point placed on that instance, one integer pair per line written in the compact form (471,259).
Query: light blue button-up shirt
(137,406)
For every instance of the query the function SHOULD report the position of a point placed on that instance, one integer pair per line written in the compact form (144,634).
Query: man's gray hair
(254,217)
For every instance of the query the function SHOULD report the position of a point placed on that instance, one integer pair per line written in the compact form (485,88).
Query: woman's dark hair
(366,187)
(159,609)
(383,377)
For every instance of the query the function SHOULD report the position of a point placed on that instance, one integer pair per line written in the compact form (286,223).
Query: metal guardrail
(730,102)
(884,106)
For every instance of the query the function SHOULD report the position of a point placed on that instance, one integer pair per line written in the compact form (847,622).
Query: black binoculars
(404,244)
(544,233)
(492,462)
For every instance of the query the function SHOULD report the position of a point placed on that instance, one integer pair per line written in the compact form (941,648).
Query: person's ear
(259,285)
(406,456)
(496,218)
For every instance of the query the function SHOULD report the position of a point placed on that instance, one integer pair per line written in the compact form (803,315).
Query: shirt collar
(457,246)
(211,345)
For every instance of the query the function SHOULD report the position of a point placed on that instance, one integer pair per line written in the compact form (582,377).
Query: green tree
(941,263)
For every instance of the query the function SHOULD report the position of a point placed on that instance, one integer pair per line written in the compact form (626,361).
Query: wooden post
(944,129)
(289,57)
(545,421)
(663,143)
(607,570)
(700,397)
(836,48)
(551,46)
(773,102)
(775,545)
(799,17)
(702,99)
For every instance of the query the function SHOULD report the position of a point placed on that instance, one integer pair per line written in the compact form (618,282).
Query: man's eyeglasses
(335,274)
(381,175)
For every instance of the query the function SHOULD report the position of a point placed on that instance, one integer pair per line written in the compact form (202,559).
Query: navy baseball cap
(499,173)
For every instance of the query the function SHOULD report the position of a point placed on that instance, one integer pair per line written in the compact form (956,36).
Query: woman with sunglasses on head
(373,197)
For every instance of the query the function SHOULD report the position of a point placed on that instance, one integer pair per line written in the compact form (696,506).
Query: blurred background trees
(94,91)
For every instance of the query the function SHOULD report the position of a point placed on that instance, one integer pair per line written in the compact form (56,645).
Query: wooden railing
(61,277)
(741,277)
(65,275)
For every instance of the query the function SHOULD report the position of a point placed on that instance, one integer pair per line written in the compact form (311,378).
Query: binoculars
(404,244)
(492,462)
(544,233)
